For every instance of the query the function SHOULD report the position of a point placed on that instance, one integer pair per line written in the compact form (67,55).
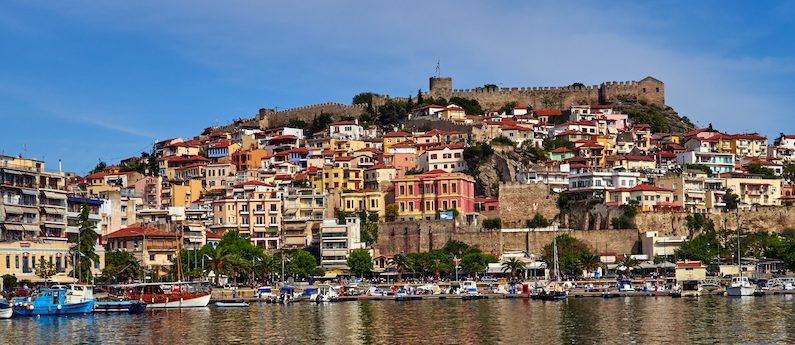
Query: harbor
(708,319)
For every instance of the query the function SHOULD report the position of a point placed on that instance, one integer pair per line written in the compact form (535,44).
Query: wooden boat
(171,295)
(120,306)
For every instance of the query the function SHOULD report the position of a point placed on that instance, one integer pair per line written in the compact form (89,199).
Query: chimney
(60,166)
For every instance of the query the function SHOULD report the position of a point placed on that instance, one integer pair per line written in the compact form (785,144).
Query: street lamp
(456,260)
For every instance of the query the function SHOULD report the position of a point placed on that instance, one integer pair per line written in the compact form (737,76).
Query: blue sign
(446,215)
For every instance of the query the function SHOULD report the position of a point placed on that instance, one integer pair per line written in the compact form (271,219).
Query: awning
(647,265)
(31,227)
(536,265)
(16,227)
(53,195)
(30,192)
(14,209)
(195,228)
(52,210)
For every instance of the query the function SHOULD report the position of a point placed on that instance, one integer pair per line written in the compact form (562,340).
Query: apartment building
(697,192)
(338,241)
(421,196)
(753,189)
(303,212)
(255,208)
(449,158)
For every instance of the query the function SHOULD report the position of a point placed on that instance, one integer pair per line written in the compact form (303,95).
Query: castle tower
(441,87)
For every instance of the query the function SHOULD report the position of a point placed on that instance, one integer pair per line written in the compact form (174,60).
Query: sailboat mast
(739,262)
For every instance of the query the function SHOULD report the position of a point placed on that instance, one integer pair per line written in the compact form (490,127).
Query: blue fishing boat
(120,306)
(59,300)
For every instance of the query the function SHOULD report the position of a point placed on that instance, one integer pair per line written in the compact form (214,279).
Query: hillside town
(351,182)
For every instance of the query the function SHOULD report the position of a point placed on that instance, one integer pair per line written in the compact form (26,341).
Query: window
(244,220)
(16,261)
(402,208)
(444,189)
(260,220)
(455,204)
(58,265)
(433,156)
(273,220)
(411,190)
(444,204)
(453,187)
(8,262)
(273,207)
(402,190)
(411,206)
(25,268)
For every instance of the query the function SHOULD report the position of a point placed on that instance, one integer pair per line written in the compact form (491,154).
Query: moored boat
(231,304)
(6,312)
(171,295)
(120,306)
(59,300)
(740,286)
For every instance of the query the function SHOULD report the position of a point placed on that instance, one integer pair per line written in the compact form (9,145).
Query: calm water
(637,320)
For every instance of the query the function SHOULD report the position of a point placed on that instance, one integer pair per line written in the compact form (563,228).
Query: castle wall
(268,118)
(520,202)
(648,90)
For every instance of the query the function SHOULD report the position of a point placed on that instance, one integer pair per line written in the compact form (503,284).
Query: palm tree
(514,265)
(235,264)
(629,262)
(217,264)
(590,262)
(401,263)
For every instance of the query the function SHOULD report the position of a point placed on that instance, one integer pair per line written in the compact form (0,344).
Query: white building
(337,241)
(346,130)
(449,158)
(603,180)
(717,162)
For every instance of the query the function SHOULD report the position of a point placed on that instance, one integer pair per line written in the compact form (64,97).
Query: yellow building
(393,138)
(753,189)
(182,195)
(348,146)
(339,178)
(363,200)
(21,258)
(748,144)
(255,209)
(649,198)
(452,113)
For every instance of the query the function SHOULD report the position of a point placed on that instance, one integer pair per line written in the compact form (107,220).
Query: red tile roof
(632,158)
(343,123)
(397,134)
(642,188)
(560,150)
(252,183)
(547,112)
(135,231)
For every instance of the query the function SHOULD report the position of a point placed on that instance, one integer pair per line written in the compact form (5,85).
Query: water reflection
(649,320)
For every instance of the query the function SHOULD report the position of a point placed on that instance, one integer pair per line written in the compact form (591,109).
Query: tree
(706,169)
(82,252)
(217,260)
(369,227)
(401,263)
(629,262)
(564,208)
(45,269)
(321,122)
(476,262)
(703,247)
(758,169)
(507,108)
(121,266)
(471,106)
(301,263)
(492,223)
(458,249)
(391,212)
(360,261)
(101,165)
(731,200)
(590,261)
(570,250)
(538,221)
(154,167)
(513,265)
(789,173)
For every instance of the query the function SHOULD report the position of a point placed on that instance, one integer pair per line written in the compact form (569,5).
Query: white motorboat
(740,286)
(5,313)
(231,304)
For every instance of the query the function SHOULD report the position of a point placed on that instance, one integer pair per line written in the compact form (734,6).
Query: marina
(708,319)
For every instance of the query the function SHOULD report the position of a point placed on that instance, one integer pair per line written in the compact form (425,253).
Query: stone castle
(646,91)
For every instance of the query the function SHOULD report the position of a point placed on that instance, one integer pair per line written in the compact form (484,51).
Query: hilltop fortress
(646,91)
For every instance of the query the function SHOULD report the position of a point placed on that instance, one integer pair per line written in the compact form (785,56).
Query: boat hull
(231,304)
(194,302)
(5,313)
(120,307)
(66,309)
(738,291)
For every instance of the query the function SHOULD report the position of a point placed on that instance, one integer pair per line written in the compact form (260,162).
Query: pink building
(421,196)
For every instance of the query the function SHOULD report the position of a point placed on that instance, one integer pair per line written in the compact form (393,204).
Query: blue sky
(87,80)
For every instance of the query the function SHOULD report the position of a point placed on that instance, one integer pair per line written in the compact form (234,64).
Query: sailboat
(740,285)
(552,291)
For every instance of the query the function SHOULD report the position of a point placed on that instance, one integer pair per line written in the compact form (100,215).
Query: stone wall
(520,202)
(770,219)
(648,90)
(412,237)
(269,118)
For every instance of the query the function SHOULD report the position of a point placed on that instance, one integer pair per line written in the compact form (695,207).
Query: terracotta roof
(284,137)
(379,166)
(686,263)
(343,159)
(547,112)
(253,183)
(751,136)
(560,150)
(577,123)
(403,144)
(213,235)
(642,188)
(396,134)
(135,231)
(632,158)
(343,123)
(96,175)
(445,146)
